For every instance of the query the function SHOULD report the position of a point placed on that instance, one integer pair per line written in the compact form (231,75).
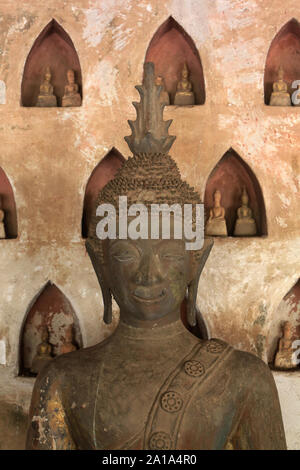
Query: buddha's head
(71,77)
(217,197)
(245,198)
(69,333)
(159,81)
(48,75)
(45,335)
(148,276)
(185,72)
(280,73)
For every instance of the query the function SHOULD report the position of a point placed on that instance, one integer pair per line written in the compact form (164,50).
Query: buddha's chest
(125,395)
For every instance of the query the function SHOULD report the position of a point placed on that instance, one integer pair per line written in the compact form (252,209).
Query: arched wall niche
(284,51)
(52,310)
(8,205)
(169,49)
(287,310)
(101,175)
(230,175)
(53,48)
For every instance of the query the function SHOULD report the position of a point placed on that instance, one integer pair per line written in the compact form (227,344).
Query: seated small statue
(71,96)
(164,95)
(216,224)
(280,95)
(43,354)
(152,384)
(46,97)
(68,344)
(184,94)
(245,225)
(2,227)
(284,355)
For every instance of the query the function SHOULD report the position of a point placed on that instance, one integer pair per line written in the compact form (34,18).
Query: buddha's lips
(147,297)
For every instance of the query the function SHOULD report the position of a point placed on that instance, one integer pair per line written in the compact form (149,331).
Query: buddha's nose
(148,272)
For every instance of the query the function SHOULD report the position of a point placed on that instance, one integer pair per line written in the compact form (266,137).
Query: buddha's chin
(152,311)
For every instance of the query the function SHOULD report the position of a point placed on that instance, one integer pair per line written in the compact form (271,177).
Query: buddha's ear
(93,250)
(193,286)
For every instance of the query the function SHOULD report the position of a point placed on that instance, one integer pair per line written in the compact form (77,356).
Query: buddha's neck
(156,332)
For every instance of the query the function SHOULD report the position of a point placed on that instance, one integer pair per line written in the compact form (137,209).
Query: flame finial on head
(149,130)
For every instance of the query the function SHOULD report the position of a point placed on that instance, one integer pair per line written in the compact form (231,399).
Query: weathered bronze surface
(46,97)
(71,96)
(152,384)
(216,224)
(280,95)
(245,224)
(184,95)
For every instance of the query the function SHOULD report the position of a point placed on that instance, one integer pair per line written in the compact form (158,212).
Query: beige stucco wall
(49,154)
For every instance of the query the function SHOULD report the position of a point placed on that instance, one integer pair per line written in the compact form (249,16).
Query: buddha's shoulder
(242,364)
(75,363)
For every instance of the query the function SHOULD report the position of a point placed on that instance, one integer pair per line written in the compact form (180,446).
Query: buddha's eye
(124,252)
(124,257)
(172,257)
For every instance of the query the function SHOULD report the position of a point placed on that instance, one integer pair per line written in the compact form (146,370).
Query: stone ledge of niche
(230,239)
(287,374)
(6,240)
(36,110)
(280,111)
(191,108)
(34,240)
(16,386)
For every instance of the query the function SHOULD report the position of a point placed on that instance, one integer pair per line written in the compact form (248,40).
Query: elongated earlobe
(98,267)
(193,286)
(107,300)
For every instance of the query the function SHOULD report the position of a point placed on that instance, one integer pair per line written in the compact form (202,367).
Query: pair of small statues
(285,357)
(184,95)
(44,349)
(280,95)
(245,225)
(47,98)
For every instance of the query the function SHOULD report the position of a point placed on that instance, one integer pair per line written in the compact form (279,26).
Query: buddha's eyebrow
(124,244)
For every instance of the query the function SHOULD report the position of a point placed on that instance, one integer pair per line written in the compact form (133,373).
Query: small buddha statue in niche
(245,225)
(43,353)
(280,95)
(164,95)
(184,94)
(284,355)
(68,345)
(46,97)
(2,215)
(216,224)
(152,384)
(71,96)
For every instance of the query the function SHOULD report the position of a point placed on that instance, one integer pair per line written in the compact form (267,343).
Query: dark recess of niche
(169,49)
(53,48)
(42,313)
(229,176)
(284,51)
(8,205)
(101,175)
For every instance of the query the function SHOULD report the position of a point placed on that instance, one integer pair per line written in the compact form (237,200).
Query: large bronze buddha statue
(152,384)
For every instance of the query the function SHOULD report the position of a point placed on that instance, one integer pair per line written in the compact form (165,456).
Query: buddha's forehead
(156,245)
